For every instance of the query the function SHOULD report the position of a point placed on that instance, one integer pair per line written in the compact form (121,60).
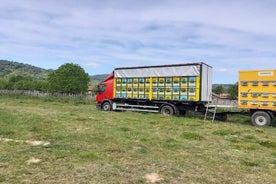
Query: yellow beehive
(257,89)
(164,82)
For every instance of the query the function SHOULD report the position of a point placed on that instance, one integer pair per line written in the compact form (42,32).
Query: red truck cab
(105,93)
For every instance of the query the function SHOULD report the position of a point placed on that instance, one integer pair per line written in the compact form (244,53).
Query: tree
(218,89)
(15,82)
(19,82)
(3,83)
(68,78)
(233,91)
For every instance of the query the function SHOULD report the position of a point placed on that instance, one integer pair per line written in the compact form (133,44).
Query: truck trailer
(168,89)
(257,94)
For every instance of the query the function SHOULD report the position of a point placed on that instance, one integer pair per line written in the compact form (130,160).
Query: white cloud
(92,65)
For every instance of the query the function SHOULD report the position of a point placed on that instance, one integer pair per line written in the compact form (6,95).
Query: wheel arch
(269,112)
(175,108)
(261,118)
(107,100)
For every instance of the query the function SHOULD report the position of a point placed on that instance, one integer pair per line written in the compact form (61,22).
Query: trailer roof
(157,66)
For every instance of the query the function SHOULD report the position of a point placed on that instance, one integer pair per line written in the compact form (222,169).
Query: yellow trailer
(257,93)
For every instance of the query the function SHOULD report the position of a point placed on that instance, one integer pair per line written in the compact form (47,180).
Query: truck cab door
(100,95)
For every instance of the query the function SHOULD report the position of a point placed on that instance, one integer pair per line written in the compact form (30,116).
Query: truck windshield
(101,88)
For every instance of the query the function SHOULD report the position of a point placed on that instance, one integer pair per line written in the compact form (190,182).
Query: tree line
(69,78)
(11,68)
(20,82)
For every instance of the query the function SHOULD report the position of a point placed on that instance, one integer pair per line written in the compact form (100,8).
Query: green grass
(92,146)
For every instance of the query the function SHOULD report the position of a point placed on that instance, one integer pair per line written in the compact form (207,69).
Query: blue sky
(102,35)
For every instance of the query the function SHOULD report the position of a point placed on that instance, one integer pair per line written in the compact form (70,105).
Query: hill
(225,86)
(99,77)
(11,68)
(96,79)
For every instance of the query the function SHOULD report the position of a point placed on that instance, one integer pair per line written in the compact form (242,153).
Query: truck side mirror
(99,89)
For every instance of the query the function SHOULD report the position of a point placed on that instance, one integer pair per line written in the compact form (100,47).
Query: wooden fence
(44,93)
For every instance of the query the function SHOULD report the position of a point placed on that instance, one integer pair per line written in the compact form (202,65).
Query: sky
(100,35)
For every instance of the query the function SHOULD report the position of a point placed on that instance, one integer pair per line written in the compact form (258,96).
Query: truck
(257,94)
(167,89)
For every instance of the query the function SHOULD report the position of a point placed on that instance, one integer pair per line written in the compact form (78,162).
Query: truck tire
(106,106)
(167,110)
(260,119)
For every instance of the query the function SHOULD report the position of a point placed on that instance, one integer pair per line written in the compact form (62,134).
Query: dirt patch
(38,143)
(153,178)
(33,160)
(33,143)
(136,148)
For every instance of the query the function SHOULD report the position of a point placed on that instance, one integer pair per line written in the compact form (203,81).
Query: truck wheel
(260,118)
(106,106)
(167,110)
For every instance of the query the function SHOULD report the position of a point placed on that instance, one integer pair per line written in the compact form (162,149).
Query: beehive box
(257,89)
(182,82)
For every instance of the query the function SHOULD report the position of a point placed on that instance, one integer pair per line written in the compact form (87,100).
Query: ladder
(210,111)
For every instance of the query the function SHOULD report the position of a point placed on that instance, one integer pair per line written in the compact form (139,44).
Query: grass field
(51,140)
